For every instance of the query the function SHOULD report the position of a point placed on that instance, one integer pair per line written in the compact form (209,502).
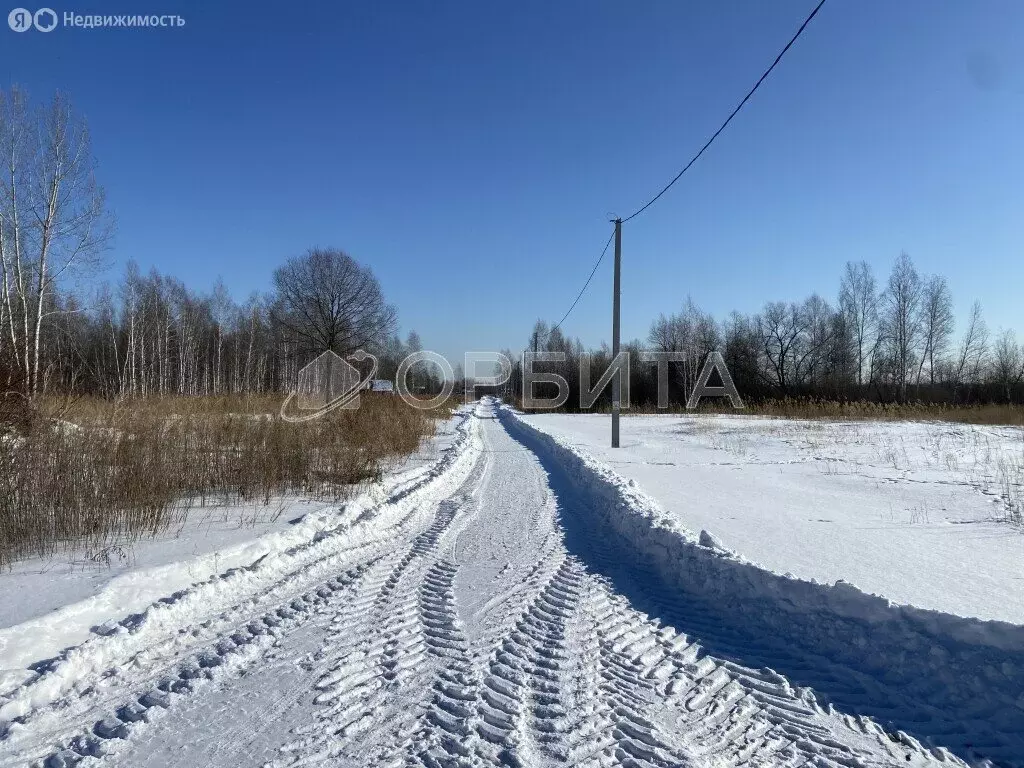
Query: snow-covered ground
(508,600)
(913,511)
(78,590)
(49,604)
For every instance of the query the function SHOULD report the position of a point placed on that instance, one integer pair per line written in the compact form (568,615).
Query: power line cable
(584,288)
(746,98)
(694,159)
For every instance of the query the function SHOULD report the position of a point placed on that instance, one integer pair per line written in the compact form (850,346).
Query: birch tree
(937,322)
(973,350)
(53,215)
(901,320)
(858,301)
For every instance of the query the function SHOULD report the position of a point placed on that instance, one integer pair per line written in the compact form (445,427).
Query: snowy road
(479,616)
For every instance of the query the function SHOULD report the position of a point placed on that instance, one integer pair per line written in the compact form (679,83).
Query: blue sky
(472,152)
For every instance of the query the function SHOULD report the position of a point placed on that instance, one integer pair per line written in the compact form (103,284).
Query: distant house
(380,385)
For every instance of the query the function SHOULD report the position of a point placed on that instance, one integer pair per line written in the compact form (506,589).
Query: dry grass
(993,414)
(90,472)
(1010,474)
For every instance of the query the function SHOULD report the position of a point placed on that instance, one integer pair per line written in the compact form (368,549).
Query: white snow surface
(912,511)
(48,604)
(510,601)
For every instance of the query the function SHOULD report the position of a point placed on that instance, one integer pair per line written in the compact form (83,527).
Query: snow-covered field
(509,598)
(914,511)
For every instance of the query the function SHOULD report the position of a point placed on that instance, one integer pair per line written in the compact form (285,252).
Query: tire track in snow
(228,654)
(561,668)
(382,662)
(446,737)
(215,605)
(376,691)
(623,638)
(343,694)
(521,702)
(156,676)
(769,718)
(662,682)
(773,719)
(783,720)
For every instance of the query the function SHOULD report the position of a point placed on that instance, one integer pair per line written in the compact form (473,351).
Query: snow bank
(79,592)
(960,669)
(289,563)
(912,511)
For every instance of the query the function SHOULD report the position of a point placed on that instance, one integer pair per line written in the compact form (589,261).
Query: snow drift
(275,577)
(948,680)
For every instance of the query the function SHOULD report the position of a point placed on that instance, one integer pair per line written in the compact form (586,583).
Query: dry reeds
(107,472)
(794,408)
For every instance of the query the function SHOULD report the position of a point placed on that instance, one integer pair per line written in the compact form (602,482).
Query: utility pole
(617,381)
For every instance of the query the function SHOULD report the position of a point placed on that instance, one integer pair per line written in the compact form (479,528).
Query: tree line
(150,334)
(889,342)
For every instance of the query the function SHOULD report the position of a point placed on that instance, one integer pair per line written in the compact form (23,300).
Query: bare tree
(707,336)
(325,300)
(16,146)
(973,350)
(780,327)
(901,320)
(53,215)
(1007,363)
(414,344)
(692,332)
(937,322)
(666,335)
(815,337)
(539,336)
(858,301)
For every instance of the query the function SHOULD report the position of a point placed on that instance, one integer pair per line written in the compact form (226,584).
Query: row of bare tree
(891,343)
(151,335)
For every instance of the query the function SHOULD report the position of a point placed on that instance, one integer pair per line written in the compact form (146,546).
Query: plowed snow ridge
(515,604)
